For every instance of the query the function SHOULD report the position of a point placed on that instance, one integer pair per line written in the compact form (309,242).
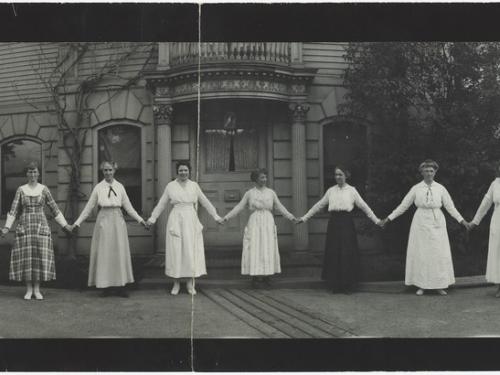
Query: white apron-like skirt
(260,245)
(184,249)
(493,262)
(110,261)
(428,260)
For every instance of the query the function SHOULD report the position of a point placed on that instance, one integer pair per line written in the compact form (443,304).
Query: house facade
(227,107)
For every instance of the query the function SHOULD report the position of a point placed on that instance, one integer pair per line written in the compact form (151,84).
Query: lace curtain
(231,150)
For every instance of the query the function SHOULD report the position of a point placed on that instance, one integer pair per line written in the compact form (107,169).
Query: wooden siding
(23,66)
(328,58)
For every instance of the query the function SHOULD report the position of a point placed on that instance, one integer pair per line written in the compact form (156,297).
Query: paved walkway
(378,310)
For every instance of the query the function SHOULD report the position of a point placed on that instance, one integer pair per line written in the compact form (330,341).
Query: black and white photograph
(257,190)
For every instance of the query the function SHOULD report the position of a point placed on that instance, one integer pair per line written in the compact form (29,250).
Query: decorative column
(163,55)
(299,175)
(163,115)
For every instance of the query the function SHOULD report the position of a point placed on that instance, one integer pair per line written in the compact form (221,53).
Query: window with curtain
(16,154)
(122,144)
(231,146)
(345,143)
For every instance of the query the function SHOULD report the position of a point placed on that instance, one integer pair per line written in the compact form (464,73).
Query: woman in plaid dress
(32,257)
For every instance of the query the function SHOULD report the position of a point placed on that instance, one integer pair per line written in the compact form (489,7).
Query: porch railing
(180,53)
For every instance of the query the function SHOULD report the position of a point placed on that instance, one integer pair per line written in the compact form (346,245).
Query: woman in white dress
(260,257)
(341,260)
(110,265)
(493,263)
(184,249)
(428,259)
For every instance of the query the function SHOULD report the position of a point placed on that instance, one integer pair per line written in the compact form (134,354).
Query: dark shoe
(267,282)
(122,292)
(255,283)
(106,292)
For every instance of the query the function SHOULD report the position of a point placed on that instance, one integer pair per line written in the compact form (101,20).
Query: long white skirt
(260,245)
(110,261)
(428,259)
(493,262)
(184,249)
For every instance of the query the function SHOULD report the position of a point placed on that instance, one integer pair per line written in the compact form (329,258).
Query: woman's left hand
(5,230)
(465,224)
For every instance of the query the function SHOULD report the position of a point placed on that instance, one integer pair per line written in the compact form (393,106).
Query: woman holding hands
(260,257)
(491,197)
(110,266)
(428,259)
(32,256)
(341,261)
(184,249)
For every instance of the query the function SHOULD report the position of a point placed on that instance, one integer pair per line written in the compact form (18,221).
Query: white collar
(346,185)
(32,192)
(424,184)
(106,183)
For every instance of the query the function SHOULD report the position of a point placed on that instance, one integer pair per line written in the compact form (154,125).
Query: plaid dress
(32,256)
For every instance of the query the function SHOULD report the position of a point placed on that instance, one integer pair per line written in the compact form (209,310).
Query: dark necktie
(111,190)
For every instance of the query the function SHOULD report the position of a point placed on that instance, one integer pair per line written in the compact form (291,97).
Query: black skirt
(341,261)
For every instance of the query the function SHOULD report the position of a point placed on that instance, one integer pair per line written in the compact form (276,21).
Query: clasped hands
(222,220)
(468,225)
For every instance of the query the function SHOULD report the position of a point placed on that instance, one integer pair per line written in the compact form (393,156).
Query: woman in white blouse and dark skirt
(341,261)
(428,258)
(110,262)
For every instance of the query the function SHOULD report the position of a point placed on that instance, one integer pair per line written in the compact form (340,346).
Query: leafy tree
(438,100)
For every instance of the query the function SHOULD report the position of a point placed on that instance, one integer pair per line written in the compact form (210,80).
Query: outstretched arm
(484,206)
(160,206)
(363,206)
(323,202)
(282,209)
(238,208)
(14,209)
(129,208)
(450,206)
(207,204)
(58,215)
(88,207)
(404,205)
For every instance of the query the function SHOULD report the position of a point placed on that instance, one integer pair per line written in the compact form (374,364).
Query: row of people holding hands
(428,263)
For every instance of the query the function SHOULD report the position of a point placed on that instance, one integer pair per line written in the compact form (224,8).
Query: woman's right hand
(5,230)
(470,226)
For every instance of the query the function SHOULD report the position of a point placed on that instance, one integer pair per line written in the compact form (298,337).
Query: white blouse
(108,195)
(432,196)
(491,196)
(341,199)
(260,199)
(175,193)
